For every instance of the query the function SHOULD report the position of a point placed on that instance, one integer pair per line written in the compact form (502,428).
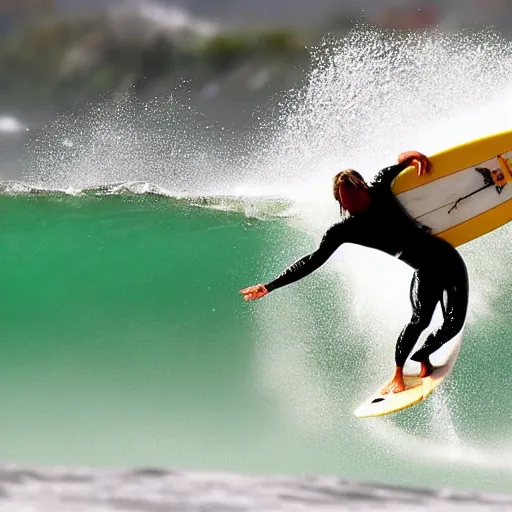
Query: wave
(314,350)
(259,207)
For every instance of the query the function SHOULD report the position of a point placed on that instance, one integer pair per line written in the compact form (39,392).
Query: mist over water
(162,142)
(328,341)
(374,94)
(364,98)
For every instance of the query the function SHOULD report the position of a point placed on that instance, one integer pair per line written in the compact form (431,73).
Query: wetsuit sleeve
(385,177)
(333,238)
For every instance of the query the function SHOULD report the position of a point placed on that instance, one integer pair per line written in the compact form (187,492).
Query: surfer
(372,217)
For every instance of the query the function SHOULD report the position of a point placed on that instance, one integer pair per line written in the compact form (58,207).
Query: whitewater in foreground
(24,489)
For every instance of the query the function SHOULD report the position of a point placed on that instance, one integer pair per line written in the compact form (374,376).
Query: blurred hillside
(59,57)
(225,58)
(55,53)
(78,57)
(292,12)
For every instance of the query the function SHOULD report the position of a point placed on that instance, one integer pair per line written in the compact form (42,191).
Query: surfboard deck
(417,389)
(468,192)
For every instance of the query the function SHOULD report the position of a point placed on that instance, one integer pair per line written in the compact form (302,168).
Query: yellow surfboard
(467,194)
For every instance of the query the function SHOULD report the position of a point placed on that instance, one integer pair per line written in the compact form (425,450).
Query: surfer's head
(351,191)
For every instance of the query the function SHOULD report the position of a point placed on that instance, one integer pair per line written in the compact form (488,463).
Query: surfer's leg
(425,294)
(455,306)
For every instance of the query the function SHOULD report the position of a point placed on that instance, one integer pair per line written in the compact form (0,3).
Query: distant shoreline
(81,58)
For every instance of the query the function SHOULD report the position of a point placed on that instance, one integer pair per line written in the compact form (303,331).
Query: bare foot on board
(426,369)
(396,384)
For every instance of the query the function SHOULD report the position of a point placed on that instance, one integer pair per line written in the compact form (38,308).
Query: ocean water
(130,232)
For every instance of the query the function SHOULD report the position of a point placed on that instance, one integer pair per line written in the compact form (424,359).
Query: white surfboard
(416,389)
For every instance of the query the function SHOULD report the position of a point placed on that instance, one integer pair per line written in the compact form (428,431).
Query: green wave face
(125,339)
(125,342)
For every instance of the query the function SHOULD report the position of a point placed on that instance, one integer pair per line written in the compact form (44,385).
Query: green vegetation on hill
(82,57)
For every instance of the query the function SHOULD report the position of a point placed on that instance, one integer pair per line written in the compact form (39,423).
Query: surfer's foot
(426,369)
(396,384)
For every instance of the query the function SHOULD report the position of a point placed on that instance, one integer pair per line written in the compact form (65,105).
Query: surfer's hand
(419,160)
(423,165)
(254,292)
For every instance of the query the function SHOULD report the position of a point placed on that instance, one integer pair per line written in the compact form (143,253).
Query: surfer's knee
(454,325)
(419,322)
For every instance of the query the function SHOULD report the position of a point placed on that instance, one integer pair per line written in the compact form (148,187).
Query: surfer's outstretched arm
(332,239)
(335,236)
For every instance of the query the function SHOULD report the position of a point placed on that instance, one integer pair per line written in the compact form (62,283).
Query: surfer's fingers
(419,167)
(248,293)
(255,294)
(423,165)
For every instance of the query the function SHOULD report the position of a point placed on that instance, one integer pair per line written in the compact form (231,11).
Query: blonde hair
(349,179)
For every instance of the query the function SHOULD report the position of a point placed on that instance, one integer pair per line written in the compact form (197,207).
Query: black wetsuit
(440,273)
